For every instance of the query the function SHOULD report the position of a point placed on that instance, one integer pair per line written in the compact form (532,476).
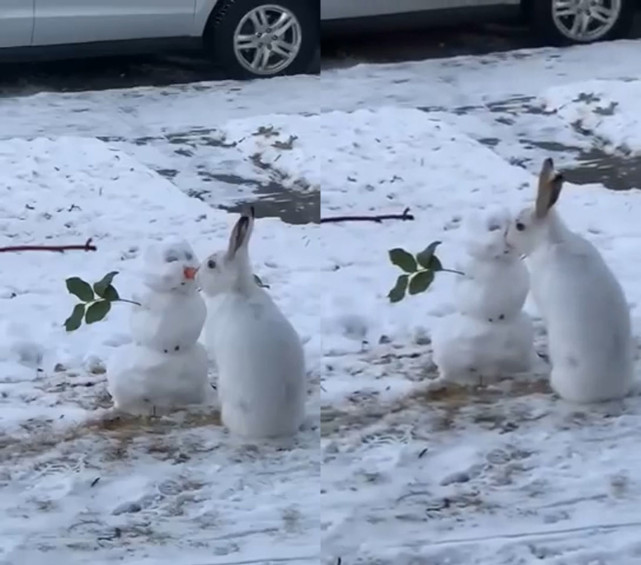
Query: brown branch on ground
(378,219)
(88,246)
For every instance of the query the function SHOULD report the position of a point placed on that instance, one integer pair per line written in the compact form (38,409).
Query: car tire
(285,50)
(557,30)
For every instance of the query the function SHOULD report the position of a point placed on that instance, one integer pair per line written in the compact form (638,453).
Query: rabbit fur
(580,300)
(258,354)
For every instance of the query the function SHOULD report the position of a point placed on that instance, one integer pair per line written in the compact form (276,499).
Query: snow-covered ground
(404,474)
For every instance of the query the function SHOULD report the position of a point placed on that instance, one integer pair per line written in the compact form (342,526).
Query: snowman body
(168,321)
(164,366)
(489,336)
(147,380)
(470,350)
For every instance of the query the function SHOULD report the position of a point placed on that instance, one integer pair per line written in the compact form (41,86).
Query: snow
(407,473)
(605,109)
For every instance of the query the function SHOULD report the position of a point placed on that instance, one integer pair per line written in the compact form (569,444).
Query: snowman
(489,336)
(164,366)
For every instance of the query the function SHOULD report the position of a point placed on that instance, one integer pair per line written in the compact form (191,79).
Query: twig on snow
(88,246)
(378,219)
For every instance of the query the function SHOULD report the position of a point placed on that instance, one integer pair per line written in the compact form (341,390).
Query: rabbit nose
(190,273)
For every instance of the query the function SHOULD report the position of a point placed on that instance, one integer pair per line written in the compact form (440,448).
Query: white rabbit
(496,282)
(259,355)
(579,298)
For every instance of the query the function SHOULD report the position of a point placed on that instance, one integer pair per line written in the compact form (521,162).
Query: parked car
(558,21)
(250,38)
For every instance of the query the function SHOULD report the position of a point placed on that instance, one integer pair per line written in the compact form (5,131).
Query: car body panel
(204,8)
(345,9)
(16,22)
(60,22)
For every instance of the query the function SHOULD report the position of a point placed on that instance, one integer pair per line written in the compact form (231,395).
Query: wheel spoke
(580,25)
(264,61)
(246,41)
(569,11)
(282,48)
(576,24)
(261,14)
(253,17)
(284,22)
(256,60)
(602,14)
(565,8)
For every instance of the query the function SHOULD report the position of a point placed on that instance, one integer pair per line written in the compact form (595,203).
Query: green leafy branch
(419,271)
(96,300)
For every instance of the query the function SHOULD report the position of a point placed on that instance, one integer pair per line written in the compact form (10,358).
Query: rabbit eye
(520,226)
(211,264)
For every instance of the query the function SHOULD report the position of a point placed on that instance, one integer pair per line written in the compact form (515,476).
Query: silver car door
(16,22)
(339,9)
(87,21)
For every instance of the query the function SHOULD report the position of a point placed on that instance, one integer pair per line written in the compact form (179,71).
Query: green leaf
(73,322)
(398,292)
(435,264)
(103,284)
(111,294)
(97,311)
(427,259)
(403,259)
(80,289)
(421,281)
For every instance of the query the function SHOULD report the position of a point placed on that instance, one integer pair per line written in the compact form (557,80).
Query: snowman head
(230,270)
(170,266)
(485,237)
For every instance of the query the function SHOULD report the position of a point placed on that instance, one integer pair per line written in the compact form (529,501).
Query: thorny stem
(378,219)
(88,246)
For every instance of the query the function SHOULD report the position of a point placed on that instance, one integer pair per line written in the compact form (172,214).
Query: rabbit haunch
(258,354)
(164,366)
(580,300)
(489,336)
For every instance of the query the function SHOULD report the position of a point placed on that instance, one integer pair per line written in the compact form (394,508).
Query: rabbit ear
(550,184)
(241,233)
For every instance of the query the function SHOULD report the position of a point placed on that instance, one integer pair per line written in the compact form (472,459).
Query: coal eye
(171,258)
(189,256)
(211,264)
(520,226)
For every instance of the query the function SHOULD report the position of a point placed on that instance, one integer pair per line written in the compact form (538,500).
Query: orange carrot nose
(190,273)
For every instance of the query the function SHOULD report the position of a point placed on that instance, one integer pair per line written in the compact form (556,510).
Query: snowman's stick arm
(88,246)
(378,219)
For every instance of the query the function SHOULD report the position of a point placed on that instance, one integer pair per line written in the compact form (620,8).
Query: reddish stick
(88,246)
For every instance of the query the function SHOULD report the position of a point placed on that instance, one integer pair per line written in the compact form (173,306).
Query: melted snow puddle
(203,164)
(613,171)
(588,161)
